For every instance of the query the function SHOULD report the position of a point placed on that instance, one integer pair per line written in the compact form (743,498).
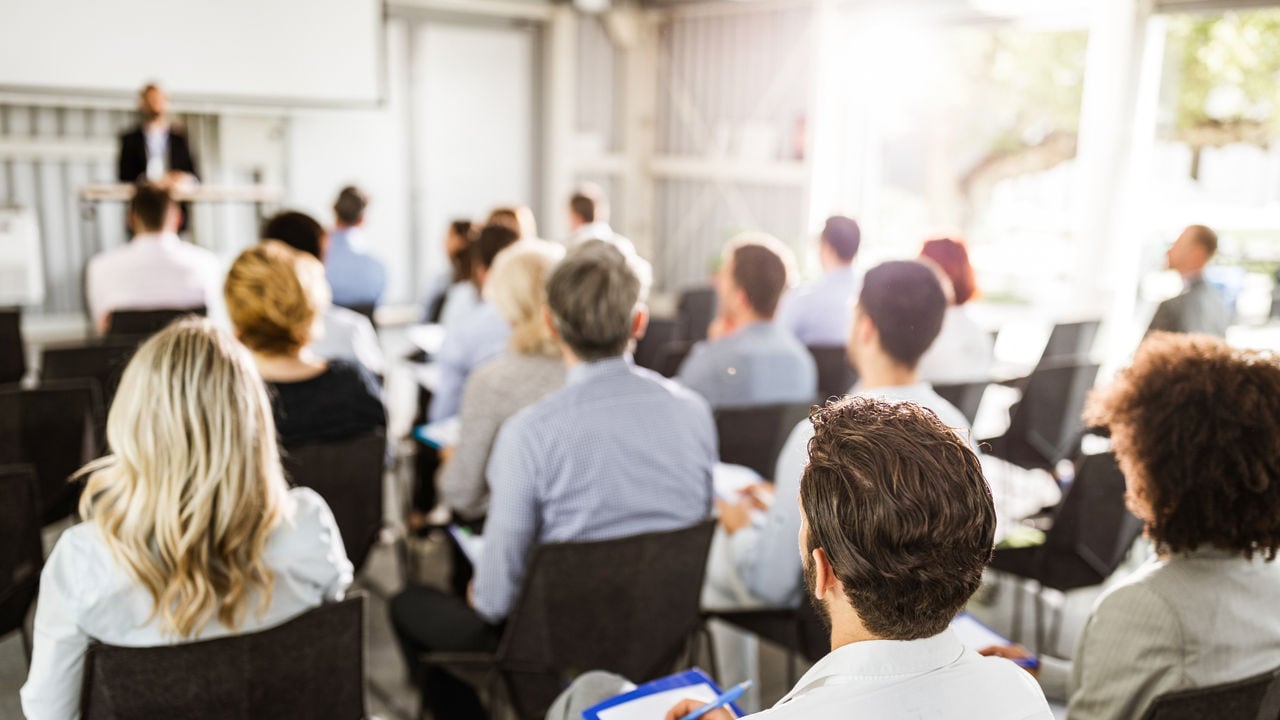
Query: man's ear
(639,321)
(824,577)
(551,323)
(864,331)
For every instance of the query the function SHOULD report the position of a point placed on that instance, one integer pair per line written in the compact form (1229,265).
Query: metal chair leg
(1039,620)
(712,665)
(1018,590)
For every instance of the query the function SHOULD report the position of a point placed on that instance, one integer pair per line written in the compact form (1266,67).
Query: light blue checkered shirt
(822,313)
(618,451)
(760,364)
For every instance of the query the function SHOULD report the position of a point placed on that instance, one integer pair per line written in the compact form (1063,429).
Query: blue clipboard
(688,678)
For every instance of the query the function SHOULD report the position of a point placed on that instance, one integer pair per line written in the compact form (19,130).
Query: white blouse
(85,595)
(960,354)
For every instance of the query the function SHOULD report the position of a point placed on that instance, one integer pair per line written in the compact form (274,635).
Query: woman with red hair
(962,351)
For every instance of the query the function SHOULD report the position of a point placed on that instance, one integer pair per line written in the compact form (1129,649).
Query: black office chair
(348,475)
(798,630)
(21,553)
(966,397)
(651,349)
(10,425)
(672,357)
(1255,698)
(141,324)
(1090,536)
(835,375)
(1045,425)
(695,310)
(753,436)
(13,352)
(104,363)
(60,432)
(310,667)
(629,606)
(1070,341)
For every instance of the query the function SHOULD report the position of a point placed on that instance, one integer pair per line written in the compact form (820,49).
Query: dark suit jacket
(133,154)
(1199,309)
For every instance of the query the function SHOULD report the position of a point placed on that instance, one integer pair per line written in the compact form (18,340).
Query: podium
(259,196)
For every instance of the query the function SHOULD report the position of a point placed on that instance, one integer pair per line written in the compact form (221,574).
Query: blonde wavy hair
(517,287)
(193,488)
(276,297)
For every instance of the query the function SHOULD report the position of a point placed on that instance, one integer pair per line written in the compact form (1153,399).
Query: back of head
(761,269)
(350,205)
(298,230)
(492,240)
(193,489)
(593,295)
(1194,424)
(843,236)
(275,296)
(150,207)
(1205,237)
(906,303)
(588,204)
(517,217)
(517,288)
(461,237)
(899,504)
(952,257)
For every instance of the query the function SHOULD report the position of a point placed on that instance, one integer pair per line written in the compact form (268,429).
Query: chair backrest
(1048,417)
(966,397)
(21,553)
(627,606)
(1092,530)
(652,347)
(59,433)
(103,362)
(1070,341)
(13,352)
(311,666)
(695,309)
(1256,697)
(144,323)
(672,357)
(835,374)
(348,475)
(753,436)
(10,424)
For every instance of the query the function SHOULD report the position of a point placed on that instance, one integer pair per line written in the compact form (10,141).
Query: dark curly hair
(899,504)
(1196,426)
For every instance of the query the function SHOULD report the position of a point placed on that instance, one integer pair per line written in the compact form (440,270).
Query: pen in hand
(726,698)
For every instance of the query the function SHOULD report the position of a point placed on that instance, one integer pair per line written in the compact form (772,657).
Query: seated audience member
(276,296)
(346,335)
(898,315)
(897,527)
(819,314)
(618,451)
(191,531)
(748,359)
(1194,425)
(589,219)
(356,276)
(156,270)
(517,217)
(475,337)
(962,351)
(461,295)
(1200,308)
(531,368)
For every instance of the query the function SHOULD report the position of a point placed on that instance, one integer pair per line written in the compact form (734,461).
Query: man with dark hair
(748,359)
(818,314)
(589,219)
(156,270)
(618,451)
(357,277)
(346,335)
(897,526)
(1200,308)
(899,313)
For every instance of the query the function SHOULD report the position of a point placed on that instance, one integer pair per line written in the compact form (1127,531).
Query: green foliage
(1223,68)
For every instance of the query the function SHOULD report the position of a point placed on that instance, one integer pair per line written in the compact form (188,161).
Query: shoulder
(352,376)
(1143,595)
(670,387)
(308,524)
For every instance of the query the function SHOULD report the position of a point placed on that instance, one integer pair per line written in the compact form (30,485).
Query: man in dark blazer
(155,150)
(1200,308)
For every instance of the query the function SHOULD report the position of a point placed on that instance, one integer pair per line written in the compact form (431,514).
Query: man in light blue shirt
(899,313)
(357,278)
(748,359)
(618,451)
(819,314)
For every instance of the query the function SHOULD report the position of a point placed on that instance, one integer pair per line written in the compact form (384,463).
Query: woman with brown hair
(962,351)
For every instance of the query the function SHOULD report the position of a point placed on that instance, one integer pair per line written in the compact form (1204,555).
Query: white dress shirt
(961,353)
(85,595)
(935,677)
(348,335)
(154,271)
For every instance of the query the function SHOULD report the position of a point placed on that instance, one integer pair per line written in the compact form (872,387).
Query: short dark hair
(900,506)
(905,301)
(593,294)
(491,240)
(1201,421)
(585,202)
(460,260)
(149,206)
(350,205)
(298,230)
(761,268)
(842,235)
(1205,237)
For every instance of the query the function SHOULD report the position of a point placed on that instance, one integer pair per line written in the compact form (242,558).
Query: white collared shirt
(154,271)
(935,677)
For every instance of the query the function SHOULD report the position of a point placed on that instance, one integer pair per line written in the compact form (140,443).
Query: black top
(133,155)
(342,402)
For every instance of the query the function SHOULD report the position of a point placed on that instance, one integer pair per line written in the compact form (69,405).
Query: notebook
(653,699)
(440,434)
(974,634)
(472,545)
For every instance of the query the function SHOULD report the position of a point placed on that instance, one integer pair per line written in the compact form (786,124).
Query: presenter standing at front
(157,150)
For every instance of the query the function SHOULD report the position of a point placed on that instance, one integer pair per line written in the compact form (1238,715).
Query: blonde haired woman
(529,370)
(192,532)
(276,297)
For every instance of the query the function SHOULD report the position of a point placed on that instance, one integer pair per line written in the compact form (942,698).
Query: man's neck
(882,371)
(160,124)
